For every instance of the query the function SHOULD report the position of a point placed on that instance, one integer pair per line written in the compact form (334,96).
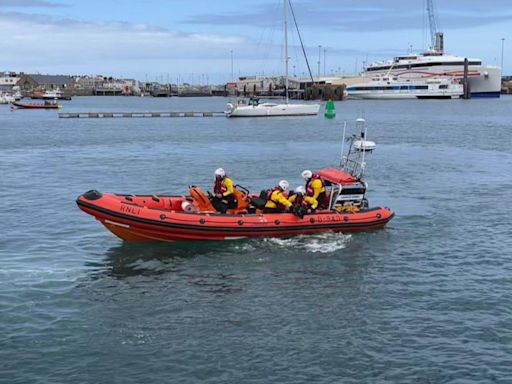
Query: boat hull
(136,222)
(36,106)
(399,96)
(484,80)
(270,109)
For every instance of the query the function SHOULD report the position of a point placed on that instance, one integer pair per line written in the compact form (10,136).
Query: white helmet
(300,190)
(307,174)
(283,184)
(220,172)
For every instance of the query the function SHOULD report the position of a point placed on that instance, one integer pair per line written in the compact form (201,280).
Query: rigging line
(301,43)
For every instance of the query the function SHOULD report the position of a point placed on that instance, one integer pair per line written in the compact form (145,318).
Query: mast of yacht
(286,48)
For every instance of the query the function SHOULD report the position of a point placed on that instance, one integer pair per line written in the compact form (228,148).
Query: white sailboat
(255,109)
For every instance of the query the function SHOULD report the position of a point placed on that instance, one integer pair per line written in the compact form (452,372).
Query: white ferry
(396,88)
(484,80)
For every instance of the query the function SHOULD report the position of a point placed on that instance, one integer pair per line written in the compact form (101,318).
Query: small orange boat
(192,217)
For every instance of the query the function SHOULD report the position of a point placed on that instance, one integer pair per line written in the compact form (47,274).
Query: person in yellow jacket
(315,187)
(224,197)
(302,203)
(276,201)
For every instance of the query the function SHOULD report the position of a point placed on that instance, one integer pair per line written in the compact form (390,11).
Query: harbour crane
(436,38)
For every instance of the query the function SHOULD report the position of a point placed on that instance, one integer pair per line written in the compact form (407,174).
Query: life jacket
(269,197)
(299,200)
(219,187)
(309,185)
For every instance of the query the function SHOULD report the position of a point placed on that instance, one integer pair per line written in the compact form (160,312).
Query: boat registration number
(328,219)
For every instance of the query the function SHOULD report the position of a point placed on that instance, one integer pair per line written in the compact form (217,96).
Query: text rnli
(130,209)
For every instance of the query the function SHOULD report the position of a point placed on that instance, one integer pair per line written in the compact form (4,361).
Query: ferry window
(404,87)
(422,87)
(443,86)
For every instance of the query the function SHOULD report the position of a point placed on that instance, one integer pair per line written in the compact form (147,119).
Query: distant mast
(286,48)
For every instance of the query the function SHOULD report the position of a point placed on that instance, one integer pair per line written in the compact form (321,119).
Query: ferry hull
(399,96)
(484,81)
(485,95)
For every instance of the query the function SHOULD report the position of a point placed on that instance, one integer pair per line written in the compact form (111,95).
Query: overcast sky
(192,40)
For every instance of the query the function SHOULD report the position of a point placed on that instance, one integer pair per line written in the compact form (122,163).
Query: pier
(95,115)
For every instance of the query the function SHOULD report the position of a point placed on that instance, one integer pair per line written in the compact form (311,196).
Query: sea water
(427,299)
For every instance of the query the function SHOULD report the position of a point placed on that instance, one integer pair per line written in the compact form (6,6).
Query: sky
(210,42)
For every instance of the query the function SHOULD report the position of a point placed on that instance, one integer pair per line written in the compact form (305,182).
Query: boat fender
(187,207)
(202,221)
(277,222)
(378,215)
(163,217)
(345,218)
(240,222)
(312,220)
(92,195)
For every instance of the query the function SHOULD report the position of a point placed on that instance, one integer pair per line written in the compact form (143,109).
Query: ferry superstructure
(484,80)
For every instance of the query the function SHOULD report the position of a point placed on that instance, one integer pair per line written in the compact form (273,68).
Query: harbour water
(425,300)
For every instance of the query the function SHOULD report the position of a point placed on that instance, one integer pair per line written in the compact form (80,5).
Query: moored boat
(256,109)
(6,98)
(45,105)
(387,88)
(483,80)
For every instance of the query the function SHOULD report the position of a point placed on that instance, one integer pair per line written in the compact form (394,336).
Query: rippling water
(425,300)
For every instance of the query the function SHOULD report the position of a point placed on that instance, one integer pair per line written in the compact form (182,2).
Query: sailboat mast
(286,48)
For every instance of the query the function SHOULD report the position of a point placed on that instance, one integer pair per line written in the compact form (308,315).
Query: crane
(436,38)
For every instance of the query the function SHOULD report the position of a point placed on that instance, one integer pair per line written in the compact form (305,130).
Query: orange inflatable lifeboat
(192,217)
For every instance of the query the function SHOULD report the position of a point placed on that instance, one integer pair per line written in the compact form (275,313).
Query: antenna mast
(286,48)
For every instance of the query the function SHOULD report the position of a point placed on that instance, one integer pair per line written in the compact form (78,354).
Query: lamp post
(324,61)
(502,49)
(319,57)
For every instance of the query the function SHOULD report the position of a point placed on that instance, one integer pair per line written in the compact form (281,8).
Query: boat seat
(242,200)
(201,199)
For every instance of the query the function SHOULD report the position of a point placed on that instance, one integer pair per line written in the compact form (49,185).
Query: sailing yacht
(254,108)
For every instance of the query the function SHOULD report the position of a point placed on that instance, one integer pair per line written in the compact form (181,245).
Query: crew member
(315,187)
(302,203)
(276,201)
(224,197)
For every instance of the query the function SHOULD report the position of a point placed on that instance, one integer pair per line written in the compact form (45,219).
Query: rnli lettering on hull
(129,209)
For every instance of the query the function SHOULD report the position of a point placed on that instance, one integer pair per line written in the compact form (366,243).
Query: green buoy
(330,110)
